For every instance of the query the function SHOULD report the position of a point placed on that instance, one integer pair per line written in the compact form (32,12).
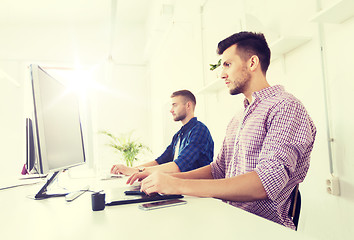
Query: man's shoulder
(200,124)
(199,128)
(281,99)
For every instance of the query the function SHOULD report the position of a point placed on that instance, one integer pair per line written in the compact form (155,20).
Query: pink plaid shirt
(274,137)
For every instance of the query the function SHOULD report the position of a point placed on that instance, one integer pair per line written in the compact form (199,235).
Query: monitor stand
(42,193)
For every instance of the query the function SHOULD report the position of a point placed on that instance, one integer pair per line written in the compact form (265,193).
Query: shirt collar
(263,94)
(188,125)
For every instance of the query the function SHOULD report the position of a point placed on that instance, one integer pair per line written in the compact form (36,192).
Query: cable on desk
(18,185)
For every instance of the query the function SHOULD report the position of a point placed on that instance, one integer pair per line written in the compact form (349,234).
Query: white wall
(340,73)
(12,122)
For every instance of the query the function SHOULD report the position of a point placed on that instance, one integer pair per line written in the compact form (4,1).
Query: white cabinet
(337,13)
(286,44)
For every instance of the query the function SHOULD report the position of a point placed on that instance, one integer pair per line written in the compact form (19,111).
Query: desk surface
(200,218)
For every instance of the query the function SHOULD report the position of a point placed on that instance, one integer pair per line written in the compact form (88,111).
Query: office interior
(125,58)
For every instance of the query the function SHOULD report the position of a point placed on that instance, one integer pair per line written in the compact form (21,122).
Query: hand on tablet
(161,183)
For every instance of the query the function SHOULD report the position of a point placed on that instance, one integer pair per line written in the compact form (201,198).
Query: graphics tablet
(119,197)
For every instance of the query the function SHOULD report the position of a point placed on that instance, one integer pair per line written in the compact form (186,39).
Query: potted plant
(126,145)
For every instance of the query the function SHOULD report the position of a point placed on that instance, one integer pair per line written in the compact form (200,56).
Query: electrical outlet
(333,185)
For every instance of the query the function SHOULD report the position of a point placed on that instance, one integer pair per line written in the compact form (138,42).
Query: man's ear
(189,104)
(253,63)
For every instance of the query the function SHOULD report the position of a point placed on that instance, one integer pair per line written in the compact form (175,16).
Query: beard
(180,117)
(239,85)
(236,90)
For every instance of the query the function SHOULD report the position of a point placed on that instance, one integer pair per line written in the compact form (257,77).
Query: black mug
(98,201)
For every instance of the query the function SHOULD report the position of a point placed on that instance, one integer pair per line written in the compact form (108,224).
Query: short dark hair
(188,95)
(248,44)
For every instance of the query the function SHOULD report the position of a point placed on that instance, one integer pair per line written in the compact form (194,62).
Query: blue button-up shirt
(196,147)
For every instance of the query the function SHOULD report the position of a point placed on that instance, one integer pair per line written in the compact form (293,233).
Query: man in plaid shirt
(266,150)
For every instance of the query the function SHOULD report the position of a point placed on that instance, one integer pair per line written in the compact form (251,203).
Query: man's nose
(223,75)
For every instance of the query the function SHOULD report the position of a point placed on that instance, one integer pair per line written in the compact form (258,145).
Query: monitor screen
(57,127)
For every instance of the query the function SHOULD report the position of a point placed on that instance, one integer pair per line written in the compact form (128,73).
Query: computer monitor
(56,128)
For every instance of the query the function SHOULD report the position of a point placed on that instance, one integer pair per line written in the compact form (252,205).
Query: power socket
(333,185)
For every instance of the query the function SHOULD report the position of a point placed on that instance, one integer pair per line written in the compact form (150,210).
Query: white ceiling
(75,11)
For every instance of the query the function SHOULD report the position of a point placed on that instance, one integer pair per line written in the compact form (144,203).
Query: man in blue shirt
(192,146)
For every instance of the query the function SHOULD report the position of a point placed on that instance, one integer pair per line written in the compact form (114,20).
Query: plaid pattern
(196,147)
(274,137)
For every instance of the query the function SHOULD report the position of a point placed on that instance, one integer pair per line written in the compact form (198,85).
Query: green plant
(126,145)
(215,66)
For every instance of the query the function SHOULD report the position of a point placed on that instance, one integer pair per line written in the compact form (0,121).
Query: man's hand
(122,169)
(160,183)
(137,176)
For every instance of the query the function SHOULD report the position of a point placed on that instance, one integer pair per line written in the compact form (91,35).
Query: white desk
(200,218)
